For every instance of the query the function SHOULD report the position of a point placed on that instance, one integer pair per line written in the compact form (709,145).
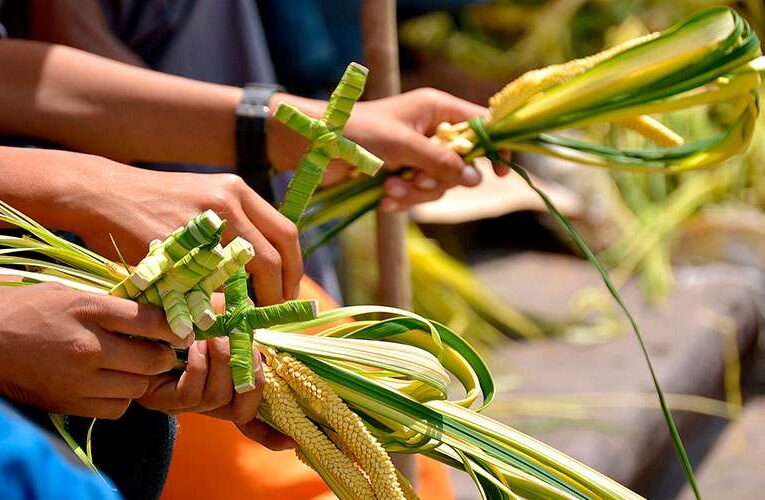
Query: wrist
(252,158)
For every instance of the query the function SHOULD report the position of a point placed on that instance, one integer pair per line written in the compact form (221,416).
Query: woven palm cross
(327,141)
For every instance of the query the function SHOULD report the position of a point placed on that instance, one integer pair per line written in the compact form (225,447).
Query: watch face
(258,95)
(256,110)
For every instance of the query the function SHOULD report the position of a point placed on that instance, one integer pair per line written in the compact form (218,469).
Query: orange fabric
(213,460)
(309,289)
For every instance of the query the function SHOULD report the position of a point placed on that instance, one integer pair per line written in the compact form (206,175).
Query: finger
(500,170)
(131,318)
(266,266)
(159,387)
(398,189)
(419,152)
(219,389)
(266,435)
(470,176)
(172,394)
(413,197)
(389,205)
(134,356)
(395,187)
(337,171)
(191,383)
(118,385)
(283,235)
(106,408)
(266,271)
(448,108)
(245,405)
(425,182)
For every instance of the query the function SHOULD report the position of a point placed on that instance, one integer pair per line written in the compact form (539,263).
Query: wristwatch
(251,155)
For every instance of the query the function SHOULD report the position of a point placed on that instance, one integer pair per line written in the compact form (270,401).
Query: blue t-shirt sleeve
(32,468)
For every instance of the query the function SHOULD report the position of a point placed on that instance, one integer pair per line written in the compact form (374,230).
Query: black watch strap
(252,158)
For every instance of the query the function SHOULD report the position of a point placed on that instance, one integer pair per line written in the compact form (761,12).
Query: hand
(137,206)
(397,129)
(67,351)
(205,387)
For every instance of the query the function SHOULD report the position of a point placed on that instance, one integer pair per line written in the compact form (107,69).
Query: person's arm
(94,197)
(95,105)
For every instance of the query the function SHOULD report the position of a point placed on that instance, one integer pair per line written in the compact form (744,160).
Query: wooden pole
(378,21)
(381,56)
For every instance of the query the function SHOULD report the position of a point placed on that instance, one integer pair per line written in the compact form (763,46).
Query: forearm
(44,183)
(99,106)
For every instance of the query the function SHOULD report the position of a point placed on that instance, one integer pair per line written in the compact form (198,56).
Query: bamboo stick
(378,20)
(381,56)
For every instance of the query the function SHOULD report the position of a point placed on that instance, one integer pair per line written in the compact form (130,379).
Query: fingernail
(202,347)
(296,292)
(388,205)
(188,341)
(396,190)
(500,169)
(426,183)
(469,176)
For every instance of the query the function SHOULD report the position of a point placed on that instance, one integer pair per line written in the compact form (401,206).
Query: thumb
(448,108)
(421,153)
(131,318)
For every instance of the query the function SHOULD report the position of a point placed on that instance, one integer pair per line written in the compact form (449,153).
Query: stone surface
(735,469)
(626,440)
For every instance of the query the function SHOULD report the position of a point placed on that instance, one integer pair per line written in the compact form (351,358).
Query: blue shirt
(31,467)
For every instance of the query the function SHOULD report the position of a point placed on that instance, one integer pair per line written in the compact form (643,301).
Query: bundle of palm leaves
(393,378)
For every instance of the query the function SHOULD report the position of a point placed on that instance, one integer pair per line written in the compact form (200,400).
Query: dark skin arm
(94,197)
(95,105)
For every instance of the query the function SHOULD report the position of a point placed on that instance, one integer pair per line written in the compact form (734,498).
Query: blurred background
(688,251)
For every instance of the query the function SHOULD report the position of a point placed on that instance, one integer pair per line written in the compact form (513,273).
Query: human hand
(206,387)
(137,206)
(67,351)
(398,130)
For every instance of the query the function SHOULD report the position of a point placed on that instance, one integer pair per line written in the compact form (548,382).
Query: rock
(596,402)
(734,469)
